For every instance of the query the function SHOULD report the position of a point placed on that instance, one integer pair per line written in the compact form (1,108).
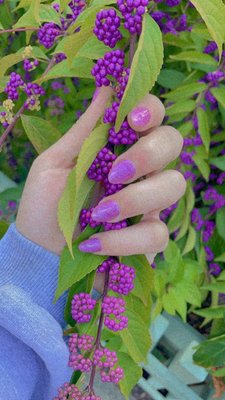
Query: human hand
(37,214)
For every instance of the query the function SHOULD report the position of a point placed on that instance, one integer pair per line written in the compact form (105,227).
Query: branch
(11,126)
(17,30)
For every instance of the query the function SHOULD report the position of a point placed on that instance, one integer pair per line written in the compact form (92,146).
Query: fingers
(147,114)
(155,193)
(63,152)
(152,152)
(145,237)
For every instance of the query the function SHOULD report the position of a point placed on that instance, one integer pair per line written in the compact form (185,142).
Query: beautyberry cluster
(12,86)
(126,135)
(111,65)
(48,33)
(113,376)
(104,358)
(102,164)
(82,303)
(121,278)
(107,27)
(133,11)
(113,308)
(68,391)
(30,65)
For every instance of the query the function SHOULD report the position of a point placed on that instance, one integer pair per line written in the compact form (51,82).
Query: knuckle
(160,234)
(178,139)
(177,181)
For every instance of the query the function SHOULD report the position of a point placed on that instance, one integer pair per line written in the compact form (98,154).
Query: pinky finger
(144,237)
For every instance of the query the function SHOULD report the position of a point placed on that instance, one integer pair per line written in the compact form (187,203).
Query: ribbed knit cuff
(33,268)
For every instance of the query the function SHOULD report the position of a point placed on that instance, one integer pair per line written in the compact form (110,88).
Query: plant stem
(17,30)
(50,65)
(132,48)
(11,126)
(98,338)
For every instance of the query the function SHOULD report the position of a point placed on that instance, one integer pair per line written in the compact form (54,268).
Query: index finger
(63,152)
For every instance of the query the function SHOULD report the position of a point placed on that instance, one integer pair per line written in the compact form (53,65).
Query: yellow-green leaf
(8,61)
(194,56)
(203,127)
(31,17)
(40,132)
(213,13)
(145,68)
(219,94)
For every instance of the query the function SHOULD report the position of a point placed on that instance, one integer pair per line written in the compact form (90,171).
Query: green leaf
(170,78)
(132,373)
(202,165)
(175,220)
(213,13)
(190,292)
(31,17)
(85,285)
(203,127)
(8,61)
(185,91)
(211,353)
(80,68)
(92,49)
(194,56)
(218,287)
(219,94)
(219,162)
(3,228)
(220,222)
(40,132)
(191,239)
(136,329)
(145,68)
(144,276)
(73,270)
(78,185)
(185,106)
(135,304)
(221,258)
(211,312)
(173,257)
(3,82)
(49,14)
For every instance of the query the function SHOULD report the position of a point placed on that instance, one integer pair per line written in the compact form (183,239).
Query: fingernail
(122,172)
(90,245)
(140,116)
(95,95)
(105,211)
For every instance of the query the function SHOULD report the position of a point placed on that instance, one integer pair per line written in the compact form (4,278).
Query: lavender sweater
(33,354)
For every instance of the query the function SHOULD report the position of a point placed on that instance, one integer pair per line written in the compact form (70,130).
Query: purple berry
(81,303)
(126,135)
(110,66)
(121,278)
(107,27)
(48,33)
(85,219)
(12,86)
(133,11)
(113,308)
(106,264)
(114,226)
(122,83)
(111,113)
(68,391)
(104,358)
(113,376)
(101,166)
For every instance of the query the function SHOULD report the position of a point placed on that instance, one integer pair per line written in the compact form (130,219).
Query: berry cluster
(121,278)
(48,33)
(12,86)
(113,376)
(68,391)
(111,113)
(111,65)
(107,27)
(102,164)
(126,135)
(133,11)
(30,65)
(104,358)
(113,308)
(82,303)
(85,219)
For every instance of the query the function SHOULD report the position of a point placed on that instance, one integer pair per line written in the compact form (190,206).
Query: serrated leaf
(191,292)
(40,132)
(194,56)
(78,185)
(185,91)
(31,17)
(211,312)
(219,94)
(138,349)
(219,162)
(218,287)
(80,68)
(175,220)
(145,68)
(213,13)
(72,270)
(132,373)
(144,276)
(203,127)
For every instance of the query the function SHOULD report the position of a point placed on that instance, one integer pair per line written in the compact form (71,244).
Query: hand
(37,214)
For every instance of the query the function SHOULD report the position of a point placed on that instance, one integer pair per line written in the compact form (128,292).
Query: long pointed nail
(105,211)
(122,172)
(90,245)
